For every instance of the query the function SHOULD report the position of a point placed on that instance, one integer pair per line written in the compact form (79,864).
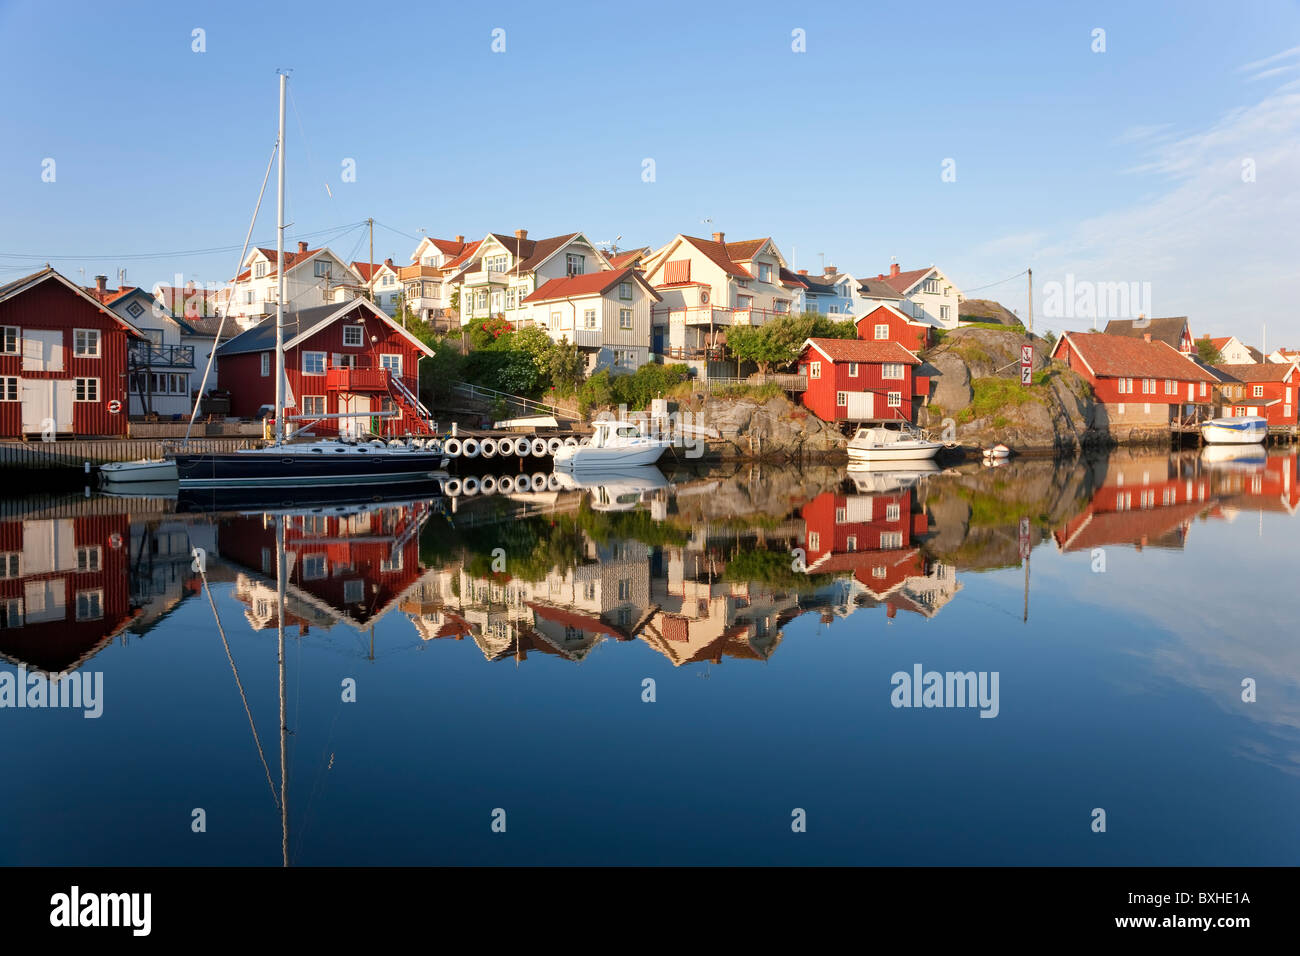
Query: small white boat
(882,443)
(997,451)
(614,444)
(1244,430)
(1235,457)
(887,477)
(146,469)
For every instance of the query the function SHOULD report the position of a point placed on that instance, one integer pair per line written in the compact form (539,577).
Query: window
(9,389)
(625,318)
(89,558)
(574,264)
(882,331)
(625,291)
(134,310)
(851,544)
(834,310)
(9,340)
(259,270)
(266,364)
(841,398)
(589,591)
(841,515)
(891,539)
(589,318)
(85,343)
(1258,391)
(625,358)
(314,567)
(388,280)
(90,605)
(624,589)
(313,404)
(814,541)
(354,592)
(392,563)
(815,370)
(781,305)
(10,566)
(510,298)
(743,283)
(393,363)
(313,363)
(352,336)
(895,399)
(248,297)
(744,301)
(322,267)
(87,390)
(178,383)
(764,272)
(497,263)
(891,370)
(555,320)
(1148,386)
(480,299)
(853,370)
(892,512)
(945,311)
(931,286)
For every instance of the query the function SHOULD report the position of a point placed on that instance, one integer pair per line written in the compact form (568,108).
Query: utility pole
(1029,325)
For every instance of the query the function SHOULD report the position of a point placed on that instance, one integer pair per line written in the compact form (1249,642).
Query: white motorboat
(1235,457)
(146,469)
(997,451)
(616,489)
(883,443)
(613,445)
(1243,430)
(887,477)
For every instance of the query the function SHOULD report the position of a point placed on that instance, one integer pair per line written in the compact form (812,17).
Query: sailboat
(306,464)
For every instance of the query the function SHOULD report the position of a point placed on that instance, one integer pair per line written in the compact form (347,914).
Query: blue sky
(1121,166)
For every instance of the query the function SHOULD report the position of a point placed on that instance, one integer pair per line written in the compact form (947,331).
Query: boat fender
(452,448)
(554,445)
(505,485)
(539,447)
(570,442)
(488,485)
(470,448)
(451,487)
(488,447)
(470,487)
(523,447)
(538,482)
(553,482)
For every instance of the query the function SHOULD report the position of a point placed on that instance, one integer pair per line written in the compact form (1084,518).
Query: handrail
(526,403)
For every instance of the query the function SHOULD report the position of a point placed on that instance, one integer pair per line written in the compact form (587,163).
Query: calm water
(501,651)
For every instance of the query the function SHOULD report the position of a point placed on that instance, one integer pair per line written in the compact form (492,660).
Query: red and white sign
(1026,364)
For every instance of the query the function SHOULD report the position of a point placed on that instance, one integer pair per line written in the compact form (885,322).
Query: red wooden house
(1271,390)
(850,380)
(348,360)
(64,589)
(63,360)
(1137,382)
(1146,502)
(885,323)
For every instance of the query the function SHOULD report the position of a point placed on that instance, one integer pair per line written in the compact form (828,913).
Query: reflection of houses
(1145,502)
(162,570)
(875,539)
(1260,484)
(353,566)
(64,589)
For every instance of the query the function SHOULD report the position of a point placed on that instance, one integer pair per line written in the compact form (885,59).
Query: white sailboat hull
(895,451)
(160,469)
(1245,430)
(587,457)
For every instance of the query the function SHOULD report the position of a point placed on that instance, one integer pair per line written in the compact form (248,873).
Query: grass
(992,326)
(756,392)
(994,395)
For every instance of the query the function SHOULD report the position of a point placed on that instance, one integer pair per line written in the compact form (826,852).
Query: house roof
(890,308)
(717,252)
(624,259)
(1118,355)
(904,280)
(1268,372)
(745,249)
(813,284)
(292,260)
(859,350)
(1168,330)
(450,247)
(17,286)
(591,283)
(366,270)
(878,289)
(300,323)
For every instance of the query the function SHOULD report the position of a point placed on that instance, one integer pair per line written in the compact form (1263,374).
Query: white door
(861,406)
(46,600)
(42,350)
(45,401)
(358,406)
(49,545)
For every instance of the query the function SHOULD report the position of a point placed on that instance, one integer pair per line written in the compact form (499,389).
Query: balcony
(418,271)
(349,378)
(485,277)
(161,356)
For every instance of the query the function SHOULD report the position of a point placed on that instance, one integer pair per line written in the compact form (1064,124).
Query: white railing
(528,404)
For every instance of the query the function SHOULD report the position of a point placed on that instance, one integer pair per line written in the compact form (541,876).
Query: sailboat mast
(284,717)
(279,279)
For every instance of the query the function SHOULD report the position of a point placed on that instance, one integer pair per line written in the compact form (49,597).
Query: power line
(999,282)
(398,231)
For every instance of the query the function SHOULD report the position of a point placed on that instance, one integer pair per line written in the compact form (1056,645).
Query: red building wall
(1284,393)
(913,337)
(821,392)
(1107,390)
(51,305)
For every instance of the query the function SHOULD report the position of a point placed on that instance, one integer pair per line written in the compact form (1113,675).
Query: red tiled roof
(904,280)
(624,259)
(592,283)
(366,269)
(858,350)
(580,622)
(745,249)
(466,253)
(1118,355)
(717,252)
(449,247)
(1266,372)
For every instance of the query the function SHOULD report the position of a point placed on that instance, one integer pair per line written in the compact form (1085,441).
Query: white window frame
(625,291)
(853,370)
(94,610)
(9,391)
(814,369)
(266,364)
(882,331)
(393,362)
(589,318)
(88,393)
(1257,391)
(308,401)
(841,398)
(324,362)
(895,400)
(360,336)
(892,370)
(321,268)
(82,340)
(625,318)
(8,334)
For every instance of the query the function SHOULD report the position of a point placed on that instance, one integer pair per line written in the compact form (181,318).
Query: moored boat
(614,444)
(881,443)
(327,462)
(1243,430)
(145,469)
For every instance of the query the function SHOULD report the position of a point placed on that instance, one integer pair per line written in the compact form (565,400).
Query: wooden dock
(74,454)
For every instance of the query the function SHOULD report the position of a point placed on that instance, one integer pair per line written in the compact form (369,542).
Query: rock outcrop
(768,427)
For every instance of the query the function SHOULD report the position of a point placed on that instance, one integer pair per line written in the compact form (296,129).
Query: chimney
(829,270)
(302,247)
(803,272)
(100,283)
(389,263)
(719,237)
(880,276)
(1146,336)
(893,270)
(521,234)
(460,238)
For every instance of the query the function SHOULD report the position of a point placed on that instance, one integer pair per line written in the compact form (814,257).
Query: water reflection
(689,569)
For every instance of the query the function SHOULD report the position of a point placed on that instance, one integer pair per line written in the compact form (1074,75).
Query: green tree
(750,343)
(1207,352)
(489,332)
